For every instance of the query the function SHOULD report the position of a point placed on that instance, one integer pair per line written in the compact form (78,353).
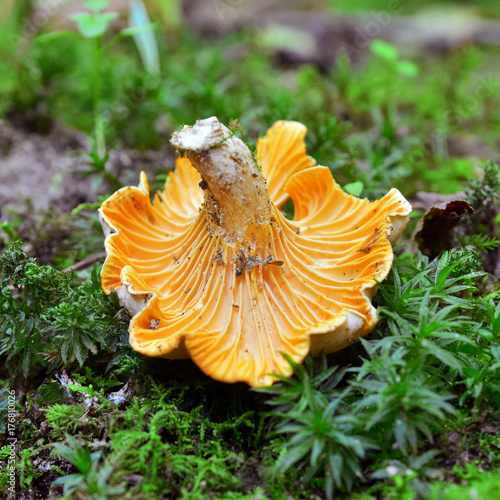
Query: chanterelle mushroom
(219,275)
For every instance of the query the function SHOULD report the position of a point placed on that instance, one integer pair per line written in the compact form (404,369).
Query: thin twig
(85,263)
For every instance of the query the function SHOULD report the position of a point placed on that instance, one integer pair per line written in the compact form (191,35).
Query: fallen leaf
(436,230)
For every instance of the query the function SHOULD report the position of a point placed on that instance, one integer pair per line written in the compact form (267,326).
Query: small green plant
(93,480)
(323,435)
(21,462)
(27,471)
(400,397)
(390,55)
(484,486)
(481,373)
(410,478)
(441,338)
(64,418)
(481,242)
(95,23)
(9,230)
(485,193)
(170,447)
(92,25)
(46,314)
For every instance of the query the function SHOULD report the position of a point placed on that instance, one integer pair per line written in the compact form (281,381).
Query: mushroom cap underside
(302,285)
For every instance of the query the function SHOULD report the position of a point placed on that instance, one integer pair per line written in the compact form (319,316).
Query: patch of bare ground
(43,176)
(461,447)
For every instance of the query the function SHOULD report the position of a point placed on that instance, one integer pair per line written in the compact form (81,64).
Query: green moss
(484,486)
(64,418)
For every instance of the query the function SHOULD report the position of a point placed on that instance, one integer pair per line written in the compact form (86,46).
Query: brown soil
(47,169)
(43,177)
(41,168)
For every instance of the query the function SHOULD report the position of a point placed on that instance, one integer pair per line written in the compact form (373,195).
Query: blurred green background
(394,93)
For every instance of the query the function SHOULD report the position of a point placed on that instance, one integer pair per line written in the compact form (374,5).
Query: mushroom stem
(236,196)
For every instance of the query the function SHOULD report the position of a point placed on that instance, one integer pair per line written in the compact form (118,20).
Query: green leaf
(96,5)
(408,68)
(443,355)
(93,26)
(384,50)
(354,188)
(144,36)
(85,206)
(9,230)
(70,482)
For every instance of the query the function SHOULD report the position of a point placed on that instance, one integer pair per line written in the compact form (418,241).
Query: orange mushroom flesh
(220,276)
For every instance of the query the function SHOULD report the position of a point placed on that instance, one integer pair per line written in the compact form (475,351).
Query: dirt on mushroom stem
(237,202)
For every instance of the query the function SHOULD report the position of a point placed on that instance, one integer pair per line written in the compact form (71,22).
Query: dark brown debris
(247,263)
(436,231)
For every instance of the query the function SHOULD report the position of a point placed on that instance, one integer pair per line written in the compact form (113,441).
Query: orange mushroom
(220,276)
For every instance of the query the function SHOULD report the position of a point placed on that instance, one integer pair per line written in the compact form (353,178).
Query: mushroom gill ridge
(233,306)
